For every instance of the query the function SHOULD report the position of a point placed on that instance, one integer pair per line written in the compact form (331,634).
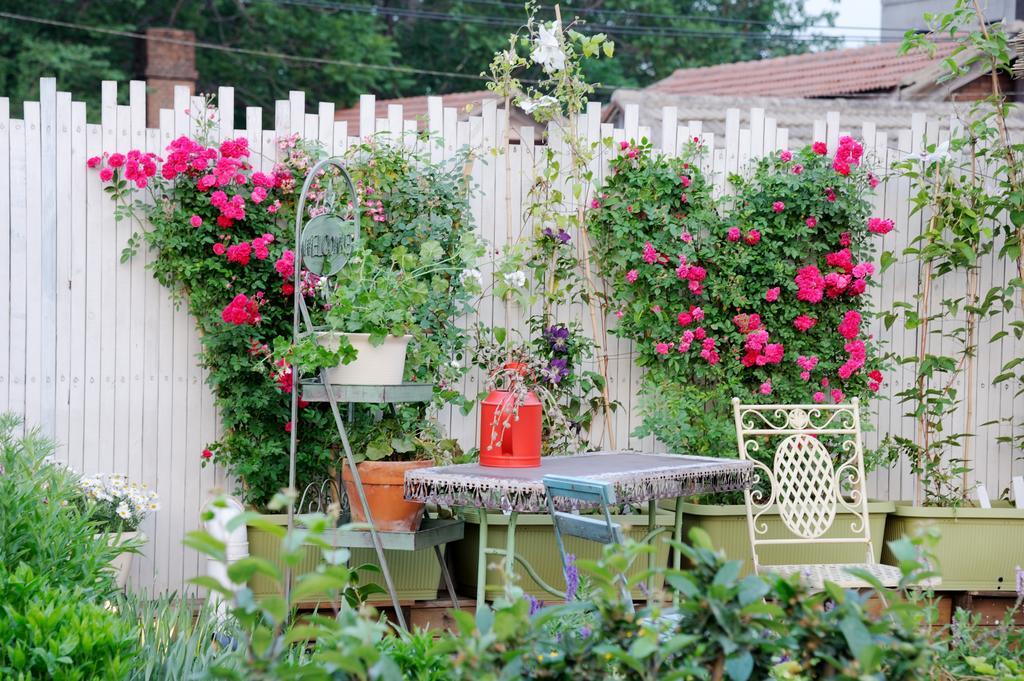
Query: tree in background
(81,58)
(652,38)
(387,47)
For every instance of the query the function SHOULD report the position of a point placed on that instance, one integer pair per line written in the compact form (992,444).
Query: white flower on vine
(546,49)
(941,152)
(531,105)
(515,279)
(473,274)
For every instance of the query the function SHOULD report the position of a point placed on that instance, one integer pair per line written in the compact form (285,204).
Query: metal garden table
(638,479)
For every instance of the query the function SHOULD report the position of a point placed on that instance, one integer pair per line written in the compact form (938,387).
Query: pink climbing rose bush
(778,271)
(219,223)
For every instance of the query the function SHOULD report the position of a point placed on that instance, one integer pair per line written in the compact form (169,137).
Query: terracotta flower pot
(384,485)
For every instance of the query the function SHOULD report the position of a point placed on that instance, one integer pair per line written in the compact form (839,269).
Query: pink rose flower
(812,222)
(786,155)
(116,160)
(818,397)
(733,234)
(218,248)
(798,169)
(107,174)
(772,294)
(195,221)
(778,206)
(753,237)
(837,395)
(93,162)
(765,388)
(820,148)
(804,323)
(631,276)
(879,226)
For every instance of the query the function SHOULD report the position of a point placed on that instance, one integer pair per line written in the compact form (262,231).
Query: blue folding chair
(588,493)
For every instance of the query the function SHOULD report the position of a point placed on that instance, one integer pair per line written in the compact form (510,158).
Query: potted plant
(964,225)
(118,507)
(371,316)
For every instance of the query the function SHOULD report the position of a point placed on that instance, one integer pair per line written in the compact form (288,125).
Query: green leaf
(739,666)
(859,639)
(206,544)
(242,570)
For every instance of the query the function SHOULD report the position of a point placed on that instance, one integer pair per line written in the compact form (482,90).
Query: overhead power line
(613,29)
(291,57)
(691,17)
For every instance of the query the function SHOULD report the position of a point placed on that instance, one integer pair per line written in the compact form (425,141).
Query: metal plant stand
(323,244)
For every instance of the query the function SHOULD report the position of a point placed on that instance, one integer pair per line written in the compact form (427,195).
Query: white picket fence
(94,352)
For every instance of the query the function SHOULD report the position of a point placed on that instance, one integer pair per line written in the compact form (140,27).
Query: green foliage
(975,651)
(380,296)
(41,527)
(272,640)
(175,642)
(970,191)
(81,58)
(57,631)
(693,280)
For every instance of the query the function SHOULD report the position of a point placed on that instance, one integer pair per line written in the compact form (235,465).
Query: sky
(863,14)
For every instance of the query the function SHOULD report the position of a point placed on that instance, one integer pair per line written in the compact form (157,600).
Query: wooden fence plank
(33,267)
(18,270)
(6,182)
(48,256)
(62,273)
(79,273)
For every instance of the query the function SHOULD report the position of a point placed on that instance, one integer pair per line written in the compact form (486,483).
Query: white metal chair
(808,485)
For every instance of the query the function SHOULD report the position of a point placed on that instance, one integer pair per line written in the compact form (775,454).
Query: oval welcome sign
(327,243)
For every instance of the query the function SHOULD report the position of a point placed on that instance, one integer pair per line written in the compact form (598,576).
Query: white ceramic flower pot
(382,364)
(122,564)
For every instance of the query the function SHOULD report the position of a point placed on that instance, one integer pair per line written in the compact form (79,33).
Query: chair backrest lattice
(815,473)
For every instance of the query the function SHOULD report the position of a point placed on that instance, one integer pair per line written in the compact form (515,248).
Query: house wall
(904,14)
(94,352)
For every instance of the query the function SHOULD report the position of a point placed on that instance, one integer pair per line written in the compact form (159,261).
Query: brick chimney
(167,64)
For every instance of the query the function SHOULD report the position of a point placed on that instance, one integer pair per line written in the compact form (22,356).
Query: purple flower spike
(572,577)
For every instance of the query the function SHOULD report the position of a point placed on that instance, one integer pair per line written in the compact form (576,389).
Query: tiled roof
(416,107)
(816,74)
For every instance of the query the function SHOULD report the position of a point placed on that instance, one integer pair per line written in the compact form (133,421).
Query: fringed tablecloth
(638,479)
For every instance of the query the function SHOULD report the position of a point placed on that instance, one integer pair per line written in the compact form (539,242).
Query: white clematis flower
(531,105)
(515,279)
(546,50)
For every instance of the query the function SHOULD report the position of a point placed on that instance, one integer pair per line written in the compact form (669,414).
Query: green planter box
(535,542)
(980,547)
(727,526)
(416,574)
